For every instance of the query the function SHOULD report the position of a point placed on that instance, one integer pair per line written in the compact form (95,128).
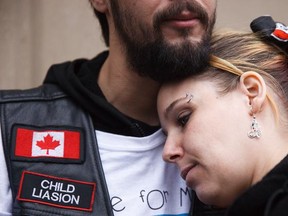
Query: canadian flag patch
(49,144)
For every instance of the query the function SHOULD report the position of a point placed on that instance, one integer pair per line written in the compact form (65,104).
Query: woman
(227,128)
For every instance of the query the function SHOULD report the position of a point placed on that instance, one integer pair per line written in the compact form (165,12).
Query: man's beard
(150,55)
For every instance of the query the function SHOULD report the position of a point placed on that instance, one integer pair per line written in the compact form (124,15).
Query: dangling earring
(255,131)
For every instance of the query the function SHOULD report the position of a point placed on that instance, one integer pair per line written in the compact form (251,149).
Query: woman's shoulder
(278,202)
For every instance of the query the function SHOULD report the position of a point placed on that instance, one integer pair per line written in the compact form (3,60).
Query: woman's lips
(186,170)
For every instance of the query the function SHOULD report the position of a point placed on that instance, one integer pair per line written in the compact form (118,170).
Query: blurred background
(37,33)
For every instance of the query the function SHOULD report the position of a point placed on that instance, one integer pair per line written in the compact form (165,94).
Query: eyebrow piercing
(189,97)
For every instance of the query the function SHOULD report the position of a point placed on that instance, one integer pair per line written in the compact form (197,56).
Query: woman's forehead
(183,86)
(173,91)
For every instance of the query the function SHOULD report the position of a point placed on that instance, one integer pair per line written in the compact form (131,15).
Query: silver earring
(255,131)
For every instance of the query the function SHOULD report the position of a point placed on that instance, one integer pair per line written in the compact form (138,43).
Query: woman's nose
(173,150)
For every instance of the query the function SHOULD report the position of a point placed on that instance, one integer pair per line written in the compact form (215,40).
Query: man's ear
(254,86)
(99,5)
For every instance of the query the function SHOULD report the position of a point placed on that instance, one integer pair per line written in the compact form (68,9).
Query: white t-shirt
(5,190)
(138,180)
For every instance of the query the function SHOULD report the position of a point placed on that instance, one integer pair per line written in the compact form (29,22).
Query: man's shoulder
(43,92)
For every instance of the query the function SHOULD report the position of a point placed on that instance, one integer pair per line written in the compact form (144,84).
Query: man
(55,164)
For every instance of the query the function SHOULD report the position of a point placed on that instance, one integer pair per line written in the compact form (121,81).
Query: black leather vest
(47,186)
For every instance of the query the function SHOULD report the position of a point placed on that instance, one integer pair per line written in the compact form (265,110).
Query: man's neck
(132,94)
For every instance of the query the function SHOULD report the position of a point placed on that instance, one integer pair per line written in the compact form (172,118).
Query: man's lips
(183,19)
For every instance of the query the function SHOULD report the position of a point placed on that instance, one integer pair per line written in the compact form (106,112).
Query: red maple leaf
(48,143)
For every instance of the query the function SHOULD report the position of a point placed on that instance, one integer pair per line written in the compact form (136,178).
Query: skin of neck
(132,94)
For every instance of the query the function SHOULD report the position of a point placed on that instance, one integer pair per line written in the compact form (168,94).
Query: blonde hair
(239,52)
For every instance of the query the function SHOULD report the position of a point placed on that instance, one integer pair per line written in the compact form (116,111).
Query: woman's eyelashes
(183,118)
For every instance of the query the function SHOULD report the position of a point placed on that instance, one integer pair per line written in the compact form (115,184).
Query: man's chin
(172,36)
(179,42)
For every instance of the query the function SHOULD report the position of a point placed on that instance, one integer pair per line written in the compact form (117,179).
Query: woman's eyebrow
(172,105)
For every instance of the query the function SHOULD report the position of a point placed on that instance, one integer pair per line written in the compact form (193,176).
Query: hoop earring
(255,131)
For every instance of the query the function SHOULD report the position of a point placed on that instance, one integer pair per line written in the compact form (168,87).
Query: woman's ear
(254,86)
(99,5)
